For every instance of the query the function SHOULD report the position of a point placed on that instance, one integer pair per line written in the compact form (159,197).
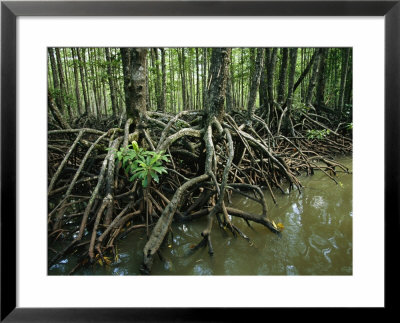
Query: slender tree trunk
(197,80)
(345,63)
(242,78)
(111,83)
(302,95)
(77,92)
(313,78)
(86,79)
(255,82)
(163,81)
(56,82)
(172,91)
(270,77)
(85,94)
(62,81)
(229,98)
(204,77)
(94,82)
(156,67)
(97,80)
(292,72)
(232,79)
(349,84)
(322,79)
(181,58)
(66,70)
(190,77)
(282,76)
(263,85)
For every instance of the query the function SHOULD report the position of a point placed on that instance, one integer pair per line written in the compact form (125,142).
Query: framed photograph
(210,115)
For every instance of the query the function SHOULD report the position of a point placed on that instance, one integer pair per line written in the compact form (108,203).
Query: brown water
(317,238)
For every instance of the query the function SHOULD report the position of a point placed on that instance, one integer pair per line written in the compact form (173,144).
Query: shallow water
(316,240)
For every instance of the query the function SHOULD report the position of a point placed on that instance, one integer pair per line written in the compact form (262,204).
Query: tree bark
(313,78)
(111,83)
(77,92)
(134,64)
(181,58)
(345,63)
(219,70)
(270,76)
(321,79)
(282,76)
(56,81)
(255,82)
(156,68)
(292,72)
(86,80)
(163,81)
(62,80)
(197,80)
(204,77)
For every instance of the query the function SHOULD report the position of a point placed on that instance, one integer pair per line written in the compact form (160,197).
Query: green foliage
(317,134)
(141,163)
(67,99)
(349,126)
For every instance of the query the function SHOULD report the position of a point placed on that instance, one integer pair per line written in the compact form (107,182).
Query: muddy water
(316,240)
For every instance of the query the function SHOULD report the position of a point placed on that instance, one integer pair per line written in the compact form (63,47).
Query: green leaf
(135,146)
(155,176)
(142,174)
(134,177)
(124,160)
(159,169)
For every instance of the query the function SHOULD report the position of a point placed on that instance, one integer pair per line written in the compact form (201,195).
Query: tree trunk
(172,83)
(313,78)
(181,58)
(156,67)
(255,82)
(242,78)
(94,83)
(263,86)
(292,72)
(270,76)
(163,81)
(86,79)
(282,76)
(345,63)
(66,70)
(204,77)
(321,79)
(134,64)
(197,80)
(77,92)
(56,81)
(111,83)
(62,80)
(219,70)
(85,94)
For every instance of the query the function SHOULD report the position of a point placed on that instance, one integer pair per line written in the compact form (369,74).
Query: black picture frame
(10,10)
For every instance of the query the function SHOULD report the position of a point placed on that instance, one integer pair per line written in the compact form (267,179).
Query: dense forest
(141,137)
